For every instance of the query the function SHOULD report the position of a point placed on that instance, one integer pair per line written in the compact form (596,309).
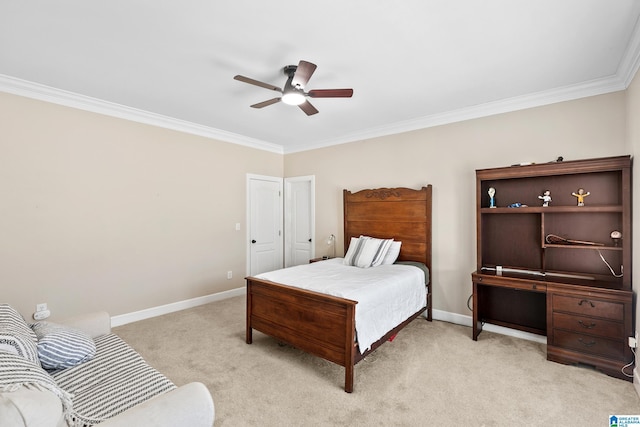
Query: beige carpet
(432,374)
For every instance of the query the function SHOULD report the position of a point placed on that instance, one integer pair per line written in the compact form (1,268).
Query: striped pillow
(381,249)
(392,253)
(354,247)
(366,251)
(61,347)
(15,335)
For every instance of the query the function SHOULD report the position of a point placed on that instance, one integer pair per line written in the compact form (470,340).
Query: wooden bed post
(350,349)
(249,331)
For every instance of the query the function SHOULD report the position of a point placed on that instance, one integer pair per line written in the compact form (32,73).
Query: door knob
(253,241)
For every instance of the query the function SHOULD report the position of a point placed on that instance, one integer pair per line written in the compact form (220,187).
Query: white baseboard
(460,319)
(123,319)
(445,316)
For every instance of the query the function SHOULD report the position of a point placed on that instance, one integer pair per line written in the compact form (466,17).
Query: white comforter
(387,295)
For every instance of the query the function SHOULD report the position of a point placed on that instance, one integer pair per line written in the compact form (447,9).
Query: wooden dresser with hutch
(576,291)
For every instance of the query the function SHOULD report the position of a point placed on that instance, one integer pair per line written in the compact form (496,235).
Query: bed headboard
(391,213)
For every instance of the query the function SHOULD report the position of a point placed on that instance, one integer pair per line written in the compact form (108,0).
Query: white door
(299,208)
(265,237)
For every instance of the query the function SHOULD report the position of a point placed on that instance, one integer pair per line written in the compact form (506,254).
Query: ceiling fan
(293,91)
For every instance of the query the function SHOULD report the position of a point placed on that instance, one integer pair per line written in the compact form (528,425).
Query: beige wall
(103,213)
(447,157)
(99,213)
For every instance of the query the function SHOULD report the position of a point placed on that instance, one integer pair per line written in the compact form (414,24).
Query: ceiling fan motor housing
(290,70)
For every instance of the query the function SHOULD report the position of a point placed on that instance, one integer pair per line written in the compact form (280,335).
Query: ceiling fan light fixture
(293,98)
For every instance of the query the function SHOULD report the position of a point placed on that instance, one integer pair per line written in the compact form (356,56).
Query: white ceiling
(411,63)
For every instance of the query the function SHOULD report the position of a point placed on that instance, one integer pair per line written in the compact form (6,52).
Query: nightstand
(324,258)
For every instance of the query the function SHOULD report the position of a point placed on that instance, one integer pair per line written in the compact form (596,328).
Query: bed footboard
(316,323)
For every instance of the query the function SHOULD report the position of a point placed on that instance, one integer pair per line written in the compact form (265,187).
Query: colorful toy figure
(580,195)
(546,198)
(492,200)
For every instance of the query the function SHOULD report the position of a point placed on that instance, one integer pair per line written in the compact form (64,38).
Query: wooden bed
(324,325)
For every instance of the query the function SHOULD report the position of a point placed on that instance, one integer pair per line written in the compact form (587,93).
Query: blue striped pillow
(61,347)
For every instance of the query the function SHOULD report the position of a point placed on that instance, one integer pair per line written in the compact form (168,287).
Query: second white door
(299,208)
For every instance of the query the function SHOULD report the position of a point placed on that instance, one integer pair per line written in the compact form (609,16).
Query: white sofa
(38,404)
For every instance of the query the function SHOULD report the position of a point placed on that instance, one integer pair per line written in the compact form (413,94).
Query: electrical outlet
(229,274)
(633,343)
(41,307)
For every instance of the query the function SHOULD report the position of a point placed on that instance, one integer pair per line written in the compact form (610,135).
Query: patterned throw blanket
(115,380)
(17,372)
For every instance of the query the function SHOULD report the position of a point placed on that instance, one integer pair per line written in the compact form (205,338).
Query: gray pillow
(61,347)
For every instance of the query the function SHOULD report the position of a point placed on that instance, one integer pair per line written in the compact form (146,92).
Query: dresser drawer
(588,307)
(509,282)
(589,344)
(588,325)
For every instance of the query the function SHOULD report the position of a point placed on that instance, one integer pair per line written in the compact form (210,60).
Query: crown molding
(70,99)
(631,61)
(627,69)
(567,93)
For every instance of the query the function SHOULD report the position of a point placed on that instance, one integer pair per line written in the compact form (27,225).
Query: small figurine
(546,198)
(580,195)
(492,200)
(616,236)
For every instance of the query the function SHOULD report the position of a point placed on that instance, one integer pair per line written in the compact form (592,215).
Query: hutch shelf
(562,270)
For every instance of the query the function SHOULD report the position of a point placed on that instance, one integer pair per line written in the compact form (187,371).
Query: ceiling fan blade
(331,93)
(303,74)
(308,108)
(257,83)
(265,103)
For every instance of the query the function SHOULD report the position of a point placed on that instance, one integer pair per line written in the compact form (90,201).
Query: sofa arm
(95,324)
(30,407)
(189,405)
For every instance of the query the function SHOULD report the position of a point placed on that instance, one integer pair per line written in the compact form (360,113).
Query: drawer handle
(592,325)
(586,301)
(587,344)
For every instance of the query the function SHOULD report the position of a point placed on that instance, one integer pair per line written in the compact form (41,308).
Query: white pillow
(367,251)
(352,244)
(392,253)
(354,247)
(381,251)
